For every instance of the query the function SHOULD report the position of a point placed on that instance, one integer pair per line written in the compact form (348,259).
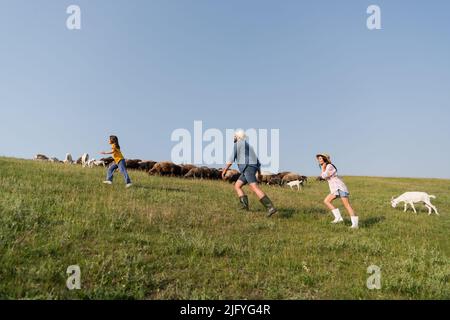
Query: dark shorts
(249,175)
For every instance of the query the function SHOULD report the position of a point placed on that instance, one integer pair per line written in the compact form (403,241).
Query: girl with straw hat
(338,190)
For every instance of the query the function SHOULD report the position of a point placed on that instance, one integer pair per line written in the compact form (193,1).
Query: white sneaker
(107,182)
(128,185)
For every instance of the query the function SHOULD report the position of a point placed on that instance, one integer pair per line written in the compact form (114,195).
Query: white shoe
(107,182)
(128,185)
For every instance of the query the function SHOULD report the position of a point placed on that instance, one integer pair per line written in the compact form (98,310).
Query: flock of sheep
(167,168)
(83,160)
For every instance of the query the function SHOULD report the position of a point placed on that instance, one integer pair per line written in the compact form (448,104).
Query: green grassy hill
(170,238)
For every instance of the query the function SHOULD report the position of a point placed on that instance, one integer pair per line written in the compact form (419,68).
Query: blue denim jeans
(122,168)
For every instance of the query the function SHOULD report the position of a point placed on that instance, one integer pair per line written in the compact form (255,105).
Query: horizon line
(342,175)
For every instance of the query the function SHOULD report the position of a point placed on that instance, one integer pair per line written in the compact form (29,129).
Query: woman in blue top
(248,165)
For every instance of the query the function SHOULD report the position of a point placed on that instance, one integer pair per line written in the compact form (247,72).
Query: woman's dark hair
(325,159)
(114,140)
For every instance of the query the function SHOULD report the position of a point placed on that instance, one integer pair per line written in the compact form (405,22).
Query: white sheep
(409,198)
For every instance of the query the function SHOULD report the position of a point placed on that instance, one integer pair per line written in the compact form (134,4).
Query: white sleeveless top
(335,183)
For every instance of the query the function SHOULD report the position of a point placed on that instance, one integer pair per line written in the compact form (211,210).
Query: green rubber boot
(269,205)
(244,202)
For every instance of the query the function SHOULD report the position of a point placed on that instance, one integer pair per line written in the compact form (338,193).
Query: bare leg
(328,201)
(347,206)
(336,213)
(406,207)
(257,190)
(238,188)
(414,208)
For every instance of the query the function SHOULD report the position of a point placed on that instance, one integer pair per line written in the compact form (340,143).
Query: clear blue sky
(378,101)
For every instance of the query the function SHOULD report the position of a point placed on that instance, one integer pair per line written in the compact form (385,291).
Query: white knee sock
(355,221)
(337,216)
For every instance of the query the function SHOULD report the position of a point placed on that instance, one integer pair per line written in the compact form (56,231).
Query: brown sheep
(146,165)
(132,163)
(270,178)
(206,172)
(185,168)
(215,174)
(282,174)
(265,178)
(203,173)
(107,161)
(166,168)
(231,175)
(196,173)
(274,180)
(291,177)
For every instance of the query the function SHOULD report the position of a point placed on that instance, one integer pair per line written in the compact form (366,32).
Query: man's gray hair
(240,134)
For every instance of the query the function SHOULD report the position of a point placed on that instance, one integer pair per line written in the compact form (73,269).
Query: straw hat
(325,156)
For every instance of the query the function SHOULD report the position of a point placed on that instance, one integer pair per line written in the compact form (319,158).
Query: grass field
(169,238)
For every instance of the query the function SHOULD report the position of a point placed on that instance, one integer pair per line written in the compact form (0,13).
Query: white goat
(297,183)
(84,160)
(91,163)
(99,163)
(409,198)
(68,159)
(41,157)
